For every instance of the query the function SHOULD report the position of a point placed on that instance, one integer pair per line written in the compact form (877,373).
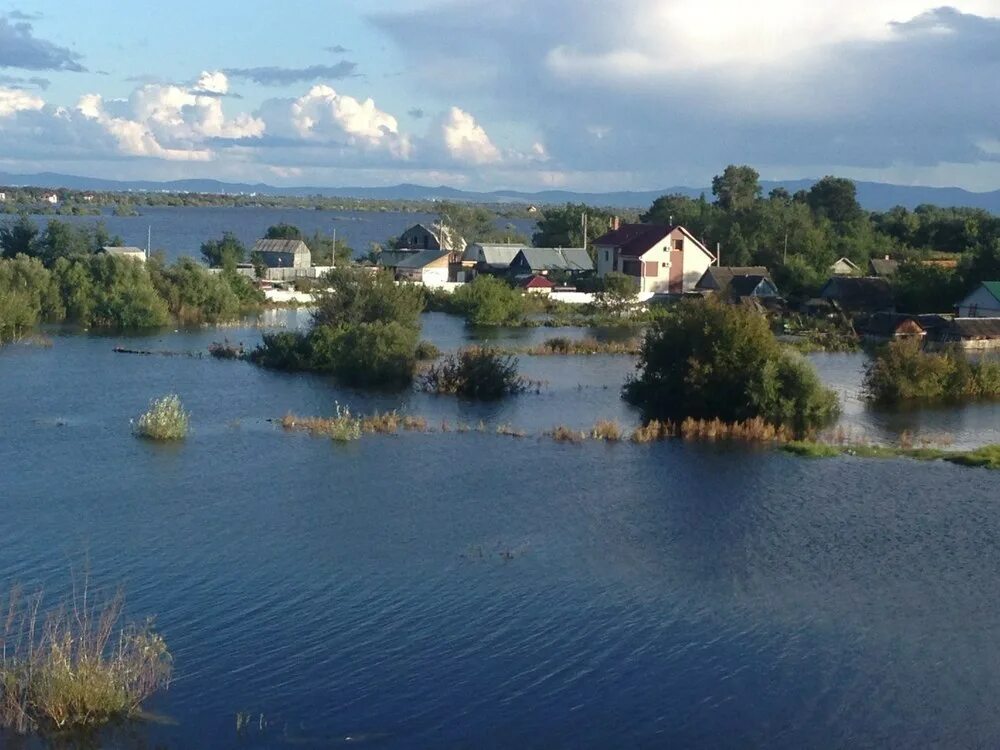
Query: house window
(664,265)
(607,256)
(679,244)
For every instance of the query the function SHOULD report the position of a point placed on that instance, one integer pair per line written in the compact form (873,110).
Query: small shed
(133,253)
(535,284)
(427,266)
(845,267)
(283,253)
(983,302)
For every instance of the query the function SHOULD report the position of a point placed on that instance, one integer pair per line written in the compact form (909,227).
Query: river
(473,590)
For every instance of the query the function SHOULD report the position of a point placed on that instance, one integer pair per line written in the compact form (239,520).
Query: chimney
(616,223)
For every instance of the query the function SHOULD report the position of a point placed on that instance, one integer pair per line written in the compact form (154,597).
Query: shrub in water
(477,372)
(709,360)
(164,420)
(78,668)
(902,371)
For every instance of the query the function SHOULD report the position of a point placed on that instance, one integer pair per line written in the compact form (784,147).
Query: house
(546,260)
(662,258)
(975,334)
(845,267)
(719,279)
(889,326)
(492,258)
(283,253)
(535,284)
(135,253)
(854,294)
(51,198)
(3,197)
(421,237)
(426,266)
(883,267)
(984,302)
(759,287)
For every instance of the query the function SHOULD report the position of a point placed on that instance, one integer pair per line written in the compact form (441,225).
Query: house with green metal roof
(984,302)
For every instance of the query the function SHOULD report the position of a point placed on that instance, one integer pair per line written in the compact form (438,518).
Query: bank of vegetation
(76,667)
(708,360)
(903,372)
(479,372)
(61,275)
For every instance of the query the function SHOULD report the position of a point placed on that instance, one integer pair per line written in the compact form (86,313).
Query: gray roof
(423,258)
(113,250)
(280,246)
(883,266)
(392,258)
(859,292)
(720,277)
(494,254)
(557,258)
(974,328)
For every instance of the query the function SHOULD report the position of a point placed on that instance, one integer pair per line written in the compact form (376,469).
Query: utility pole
(149,239)
(583,221)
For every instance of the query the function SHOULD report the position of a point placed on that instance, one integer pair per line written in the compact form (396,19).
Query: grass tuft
(607,430)
(164,420)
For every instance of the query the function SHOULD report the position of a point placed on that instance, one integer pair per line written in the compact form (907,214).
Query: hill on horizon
(874,196)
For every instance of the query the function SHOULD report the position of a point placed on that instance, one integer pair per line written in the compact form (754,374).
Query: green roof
(993,287)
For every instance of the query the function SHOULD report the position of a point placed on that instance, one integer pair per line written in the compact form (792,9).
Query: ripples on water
(472,591)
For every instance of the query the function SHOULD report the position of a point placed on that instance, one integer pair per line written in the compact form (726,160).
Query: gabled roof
(858,292)
(422,259)
(883,266)
(635,239)
(556,258)
(392,258)
(846,262)
(493,254)
(450,239)
(720,277)
(745,286)
(280,246)
(115,250)
(535,281)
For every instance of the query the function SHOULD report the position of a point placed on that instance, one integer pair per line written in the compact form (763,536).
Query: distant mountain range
(874,196)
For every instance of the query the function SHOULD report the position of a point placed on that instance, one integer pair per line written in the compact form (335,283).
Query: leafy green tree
(470,222)
(921,288)
(835,198)
(562,226)
(326,251)
(283,231)
(737,188)
(488,301)
(698,216)
(226,252)
(712,360)
(18,237)
(357,296)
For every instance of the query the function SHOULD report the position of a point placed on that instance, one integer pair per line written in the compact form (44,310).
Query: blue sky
(530,94)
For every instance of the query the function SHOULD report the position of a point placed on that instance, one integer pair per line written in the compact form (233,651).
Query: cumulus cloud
(17,100)
(673,90)
(277,76)
(212,82)
(323,115)
(465,140)
(20,48)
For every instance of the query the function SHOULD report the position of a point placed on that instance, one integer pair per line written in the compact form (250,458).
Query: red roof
(537,282)
(635,239)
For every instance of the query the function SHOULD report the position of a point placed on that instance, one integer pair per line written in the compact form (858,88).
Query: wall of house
(979,304)
(434,275)
(696,261)
(605,259)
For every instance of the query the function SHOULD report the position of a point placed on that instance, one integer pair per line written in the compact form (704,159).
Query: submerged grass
(987,457)
(561,345)
(77,667)
(750,431)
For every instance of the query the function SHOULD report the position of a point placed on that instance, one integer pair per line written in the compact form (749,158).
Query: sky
(586,95)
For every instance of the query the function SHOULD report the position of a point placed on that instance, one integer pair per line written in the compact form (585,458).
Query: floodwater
(478,591)
(181,231)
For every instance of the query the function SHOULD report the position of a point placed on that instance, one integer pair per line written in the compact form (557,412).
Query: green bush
(709,360)
(164,420)
(478,372)
(902,371)
(488,301)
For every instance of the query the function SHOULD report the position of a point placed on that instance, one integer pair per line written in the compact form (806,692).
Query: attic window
(679,244)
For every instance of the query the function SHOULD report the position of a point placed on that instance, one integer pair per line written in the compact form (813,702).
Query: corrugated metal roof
(280,246)
(423,258)
(493,254)
(993,287)
(975,328)
(557,258)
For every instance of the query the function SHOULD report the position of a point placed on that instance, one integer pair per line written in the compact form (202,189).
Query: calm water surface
(180,231)
(469,590)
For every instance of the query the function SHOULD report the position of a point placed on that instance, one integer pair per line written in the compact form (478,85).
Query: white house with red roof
(662,258)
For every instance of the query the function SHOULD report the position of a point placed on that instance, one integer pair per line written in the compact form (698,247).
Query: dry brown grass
(607,430)
(382,423)
(510,431)
(750,431)
(563,434)
(565,346)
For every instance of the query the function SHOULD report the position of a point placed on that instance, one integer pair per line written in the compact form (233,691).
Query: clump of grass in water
(750,431)
(345,426)
(79,668)
(607,430)
(164,420)
(563,434)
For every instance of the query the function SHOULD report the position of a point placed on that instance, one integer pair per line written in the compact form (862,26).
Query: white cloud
(17,100)
(324,115)
(212,82)
(466,141)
